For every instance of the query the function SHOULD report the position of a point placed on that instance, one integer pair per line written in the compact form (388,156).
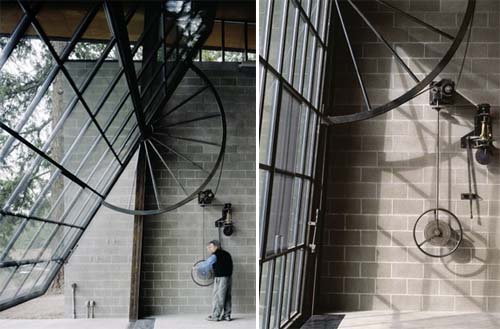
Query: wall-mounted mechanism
(442,92)
(226,221)
(481,138)
(205,197)
(201,278)
(200,275)
(438,232)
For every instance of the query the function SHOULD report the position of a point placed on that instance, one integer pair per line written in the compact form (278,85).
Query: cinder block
(352,285)
(390,286)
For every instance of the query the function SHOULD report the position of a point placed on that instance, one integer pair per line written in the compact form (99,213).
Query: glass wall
(292,55)
(66,134)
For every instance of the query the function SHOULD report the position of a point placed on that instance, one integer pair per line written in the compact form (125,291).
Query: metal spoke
(133,190)
(175,108)
(168,168)
(417,20)
(180,155)
(13,263)
(48,158)
(188,139)
(39,219)
(16,36)
(394,53)
(151,80)
(114,15)
(210,116)
(70,80)
(425,241)
(40,93)
(153,181)
(360,79)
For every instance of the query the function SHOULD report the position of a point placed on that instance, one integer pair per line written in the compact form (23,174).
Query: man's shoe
(227,318)
(211,318)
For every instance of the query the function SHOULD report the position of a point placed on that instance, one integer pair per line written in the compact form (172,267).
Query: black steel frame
(115,158)
(246,50)
(302,94)
(420,85)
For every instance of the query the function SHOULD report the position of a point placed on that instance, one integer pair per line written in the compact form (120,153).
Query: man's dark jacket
(223,266)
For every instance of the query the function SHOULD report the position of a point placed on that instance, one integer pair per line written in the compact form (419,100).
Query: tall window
(292,57)
(67,134)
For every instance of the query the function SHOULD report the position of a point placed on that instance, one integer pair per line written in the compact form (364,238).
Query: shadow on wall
(382,177)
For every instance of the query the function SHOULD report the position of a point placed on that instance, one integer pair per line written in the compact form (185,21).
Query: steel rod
(354,62)
(180,155)
(114,15)
(185,101)
(211,116)
(417,20)
(153,181)
(168,168)
(387,45)
(188,139)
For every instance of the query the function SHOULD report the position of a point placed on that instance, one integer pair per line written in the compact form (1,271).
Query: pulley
(437,231)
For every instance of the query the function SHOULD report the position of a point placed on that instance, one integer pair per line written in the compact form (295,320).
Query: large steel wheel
(420,86)
(167,147)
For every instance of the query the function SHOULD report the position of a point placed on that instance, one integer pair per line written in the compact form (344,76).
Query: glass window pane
(276,292)
(283,210)
(36,272)
(22,243)
(297,289)
(299,54)
(314,12)
(21,78)
(45,274)
(8,227)
(5,275)
(289,38)
(267,119)
(263,185)
(302,139)
(276,33)
(59,240)
(305,5)
(264,288)
(311,145)
(285,307)
(323,19)
(288,133)
(318,78)
(311,47)
(16,282)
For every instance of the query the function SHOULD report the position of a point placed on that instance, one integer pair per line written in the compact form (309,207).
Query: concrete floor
(197,321)
(419,320)
(180,321)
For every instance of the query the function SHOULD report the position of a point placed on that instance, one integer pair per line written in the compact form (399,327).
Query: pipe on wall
(73,293)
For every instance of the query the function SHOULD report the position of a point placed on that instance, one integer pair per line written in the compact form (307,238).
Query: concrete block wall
(101,264)
(174,241)
(382,171)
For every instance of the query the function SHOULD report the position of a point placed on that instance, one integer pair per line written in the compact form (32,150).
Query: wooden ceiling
(59,20)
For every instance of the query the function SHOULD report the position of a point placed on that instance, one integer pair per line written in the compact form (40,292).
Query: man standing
(222,264)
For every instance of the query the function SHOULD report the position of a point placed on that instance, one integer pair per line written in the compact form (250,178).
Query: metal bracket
(470,196)
(313,223)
